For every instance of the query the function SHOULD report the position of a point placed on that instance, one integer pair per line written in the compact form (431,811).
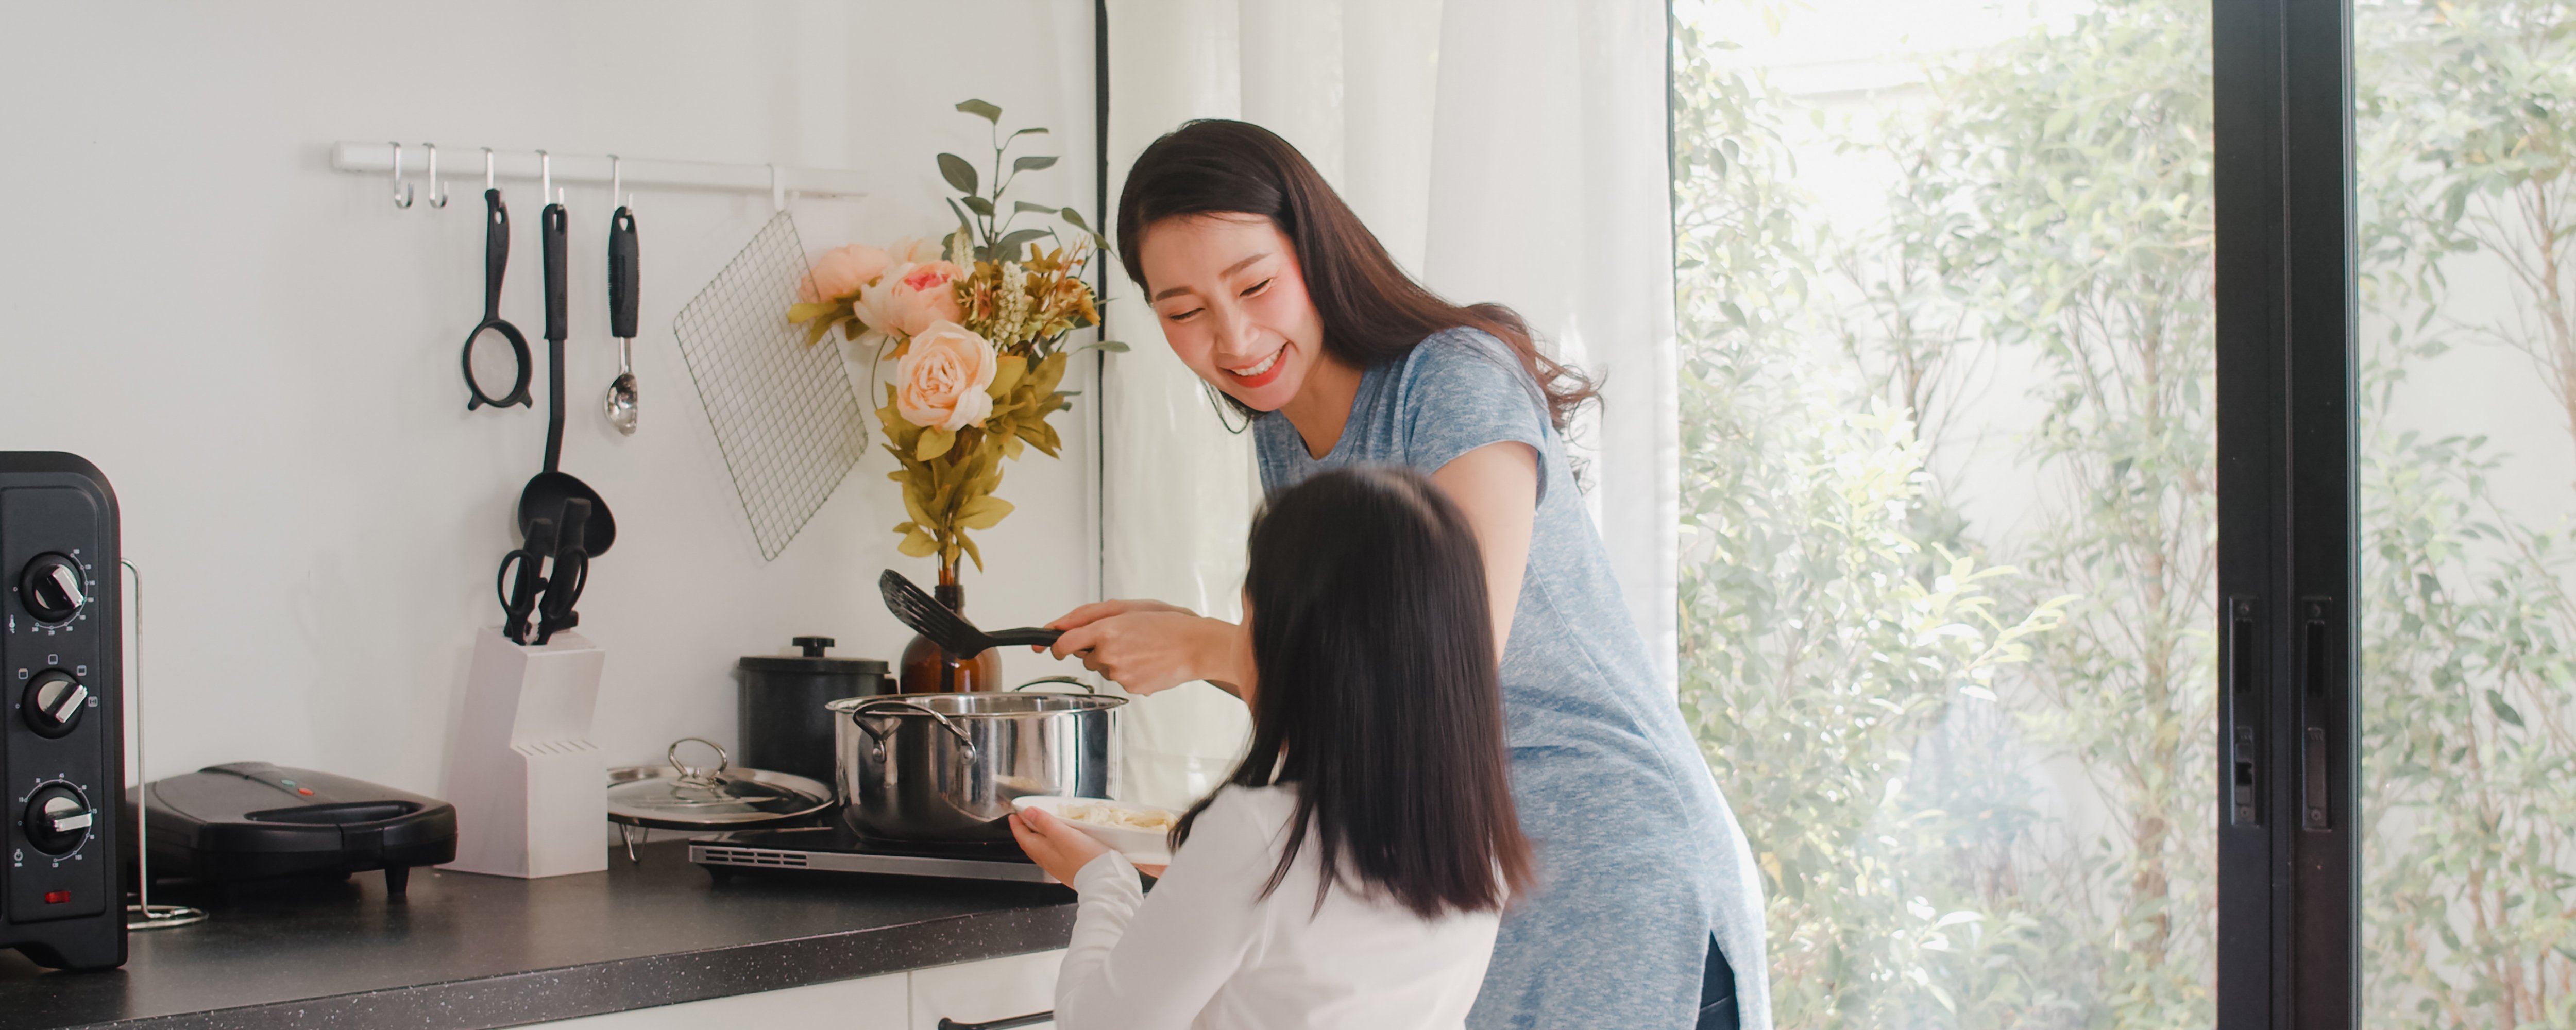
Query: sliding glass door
(2466,114)
(1950,497)
(2130,503)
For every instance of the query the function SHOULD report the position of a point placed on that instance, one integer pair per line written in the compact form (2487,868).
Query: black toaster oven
(62,746)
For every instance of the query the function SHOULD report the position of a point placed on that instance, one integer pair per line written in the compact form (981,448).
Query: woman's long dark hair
(1372,312)
(1376,693)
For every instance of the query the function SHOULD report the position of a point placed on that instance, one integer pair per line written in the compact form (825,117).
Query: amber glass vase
(930,668)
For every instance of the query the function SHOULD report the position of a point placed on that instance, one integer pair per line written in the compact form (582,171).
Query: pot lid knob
(813,646)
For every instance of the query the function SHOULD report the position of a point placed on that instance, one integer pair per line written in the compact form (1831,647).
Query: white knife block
(530,789)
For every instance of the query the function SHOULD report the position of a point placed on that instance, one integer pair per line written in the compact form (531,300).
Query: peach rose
(841,272)
(907,299)
(940,382)
(913,250)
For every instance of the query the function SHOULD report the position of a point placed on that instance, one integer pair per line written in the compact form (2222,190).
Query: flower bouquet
(975,325)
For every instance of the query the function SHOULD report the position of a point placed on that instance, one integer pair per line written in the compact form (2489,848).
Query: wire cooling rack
(784,414)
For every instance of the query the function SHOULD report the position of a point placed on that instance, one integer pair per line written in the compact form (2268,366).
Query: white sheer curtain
(1177,488)
(1507,150)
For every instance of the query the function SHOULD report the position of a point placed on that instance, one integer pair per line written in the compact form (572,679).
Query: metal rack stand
(143,914)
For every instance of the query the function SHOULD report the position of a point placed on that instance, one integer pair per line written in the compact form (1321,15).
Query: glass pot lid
(679,796)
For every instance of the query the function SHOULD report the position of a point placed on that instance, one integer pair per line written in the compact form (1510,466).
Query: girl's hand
(1059,849)
(1149,646)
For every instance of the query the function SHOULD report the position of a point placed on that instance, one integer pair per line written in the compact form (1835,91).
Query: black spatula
(946,628)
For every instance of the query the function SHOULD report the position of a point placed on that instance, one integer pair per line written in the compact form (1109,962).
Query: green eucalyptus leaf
(960,175)
(980,109)
(1033,162)
(1024,205)
(978,205)
(1010,244)
(1074,218)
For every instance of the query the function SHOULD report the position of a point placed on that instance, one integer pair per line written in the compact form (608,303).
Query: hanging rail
(457,164)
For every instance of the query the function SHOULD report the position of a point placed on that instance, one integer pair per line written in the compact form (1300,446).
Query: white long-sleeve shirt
(1205,951)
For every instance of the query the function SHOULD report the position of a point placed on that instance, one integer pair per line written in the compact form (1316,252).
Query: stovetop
(836,849)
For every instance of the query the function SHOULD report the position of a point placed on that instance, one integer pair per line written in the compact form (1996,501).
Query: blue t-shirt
(1608,780)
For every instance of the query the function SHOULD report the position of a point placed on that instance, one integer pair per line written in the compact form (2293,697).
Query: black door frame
(2288,556)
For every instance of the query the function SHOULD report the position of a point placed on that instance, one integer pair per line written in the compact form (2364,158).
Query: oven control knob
(58,818)
(52,588)
(53,702)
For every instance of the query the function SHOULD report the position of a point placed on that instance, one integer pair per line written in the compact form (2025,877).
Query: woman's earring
(1225,411)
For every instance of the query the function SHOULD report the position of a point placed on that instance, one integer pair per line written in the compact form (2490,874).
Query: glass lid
(679,796)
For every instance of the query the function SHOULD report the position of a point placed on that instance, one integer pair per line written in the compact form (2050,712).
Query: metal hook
(437,193)
(545,177)
(487,168)
(777,192)
(617,184)
(402,190)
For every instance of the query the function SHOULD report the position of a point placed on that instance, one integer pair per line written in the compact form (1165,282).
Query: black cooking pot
(784,725)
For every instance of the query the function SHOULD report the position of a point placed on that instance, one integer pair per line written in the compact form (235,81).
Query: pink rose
(841,272)
(940,382)
(907,299)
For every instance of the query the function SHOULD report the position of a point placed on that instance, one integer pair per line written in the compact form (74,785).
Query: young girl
(1353,870)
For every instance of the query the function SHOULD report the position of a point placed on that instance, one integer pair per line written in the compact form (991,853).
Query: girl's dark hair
(1376,693)
(1372,312)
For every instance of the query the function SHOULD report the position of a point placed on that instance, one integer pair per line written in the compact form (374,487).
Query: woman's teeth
(1264,366)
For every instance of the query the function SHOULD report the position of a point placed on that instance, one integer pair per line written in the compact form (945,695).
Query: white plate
(1150,847)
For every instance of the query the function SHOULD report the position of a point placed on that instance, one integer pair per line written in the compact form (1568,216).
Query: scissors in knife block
(519,589)
(570,572)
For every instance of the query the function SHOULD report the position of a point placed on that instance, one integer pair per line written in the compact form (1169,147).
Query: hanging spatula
(946,628)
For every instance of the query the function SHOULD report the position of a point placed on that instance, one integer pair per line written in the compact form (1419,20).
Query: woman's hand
(1149,646)
(1098,610)
(1059,849)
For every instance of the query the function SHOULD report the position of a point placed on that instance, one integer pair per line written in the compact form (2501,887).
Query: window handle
(2316,667)
(2244,705)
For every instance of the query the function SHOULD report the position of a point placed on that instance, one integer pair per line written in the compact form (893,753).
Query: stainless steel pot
(946,766)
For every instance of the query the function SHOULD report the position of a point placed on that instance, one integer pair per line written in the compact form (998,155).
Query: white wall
(262,352)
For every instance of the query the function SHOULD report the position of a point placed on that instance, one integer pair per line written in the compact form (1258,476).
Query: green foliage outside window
(2466,121)
(1861,656)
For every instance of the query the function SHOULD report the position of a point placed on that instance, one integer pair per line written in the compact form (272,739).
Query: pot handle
(1086,686)
(873,705)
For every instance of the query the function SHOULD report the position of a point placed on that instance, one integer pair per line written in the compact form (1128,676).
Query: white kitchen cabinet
(995,988)
(971,992)
(871,1003)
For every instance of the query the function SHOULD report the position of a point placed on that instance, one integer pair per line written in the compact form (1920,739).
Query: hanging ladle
(547,491)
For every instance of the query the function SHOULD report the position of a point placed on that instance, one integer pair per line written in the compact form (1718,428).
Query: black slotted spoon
(946,628)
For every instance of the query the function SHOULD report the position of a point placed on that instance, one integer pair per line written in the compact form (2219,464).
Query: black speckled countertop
(469,951)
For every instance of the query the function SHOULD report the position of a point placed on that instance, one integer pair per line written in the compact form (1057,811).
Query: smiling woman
(1221,299)
(1250,327)
(1272,292)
